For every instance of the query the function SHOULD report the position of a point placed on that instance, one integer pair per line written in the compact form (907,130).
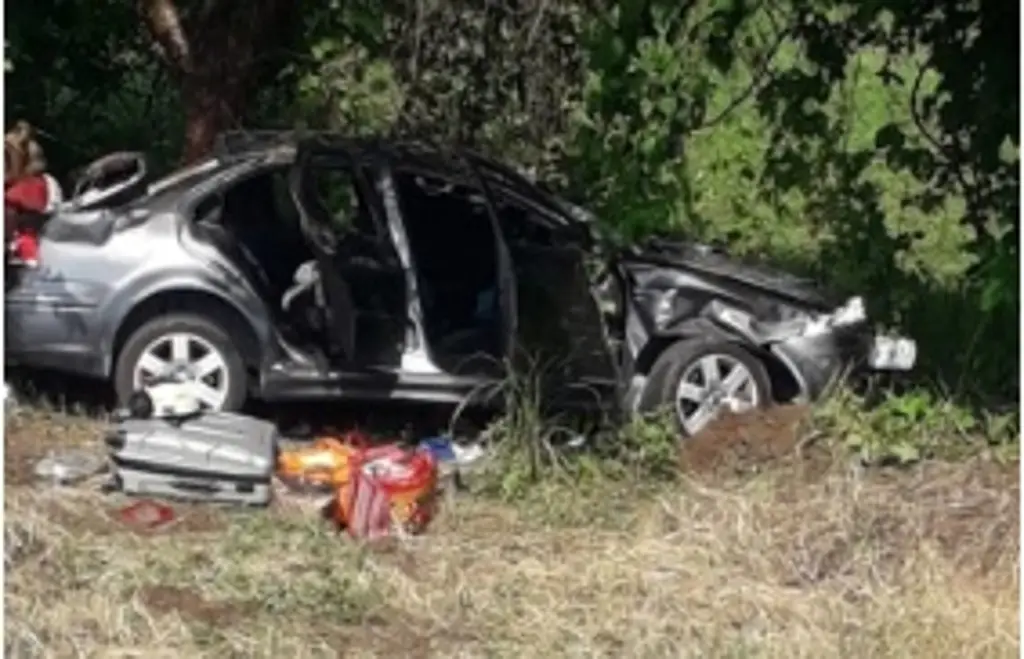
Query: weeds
(525,444)
(606,549)
(530,447)
(922,565)
(909,427)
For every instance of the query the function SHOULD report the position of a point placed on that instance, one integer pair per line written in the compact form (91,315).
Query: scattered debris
(163,446)
(309,504)
(447,452)
(389,489)
(146,514)
(366,511)
(165,400)
(69,466)
(374,490)
(455,461)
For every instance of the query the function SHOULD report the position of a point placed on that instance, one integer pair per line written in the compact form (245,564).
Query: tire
(206,337)
(680,358)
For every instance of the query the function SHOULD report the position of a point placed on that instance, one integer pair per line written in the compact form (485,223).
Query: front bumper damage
(820,350)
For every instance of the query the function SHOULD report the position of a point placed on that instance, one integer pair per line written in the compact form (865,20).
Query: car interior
(352,308)
(254,225)
(363,282)
(333,297)
(249,225)
(453,244)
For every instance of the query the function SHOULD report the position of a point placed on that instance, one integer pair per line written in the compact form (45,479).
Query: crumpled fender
(702,326)
(809,348)
(813,361)
(738,323)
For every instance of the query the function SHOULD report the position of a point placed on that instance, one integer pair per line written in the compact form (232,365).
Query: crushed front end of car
(820,349)
(684,304)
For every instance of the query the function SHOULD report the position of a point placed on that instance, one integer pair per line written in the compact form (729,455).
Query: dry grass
(789,563)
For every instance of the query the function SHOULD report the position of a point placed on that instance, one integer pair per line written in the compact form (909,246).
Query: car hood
(709,261)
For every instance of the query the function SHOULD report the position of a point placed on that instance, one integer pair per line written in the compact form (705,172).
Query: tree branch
(760,75)
(951,153)
(163,21)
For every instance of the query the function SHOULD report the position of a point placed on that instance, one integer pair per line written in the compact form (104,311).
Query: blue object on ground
(439,447)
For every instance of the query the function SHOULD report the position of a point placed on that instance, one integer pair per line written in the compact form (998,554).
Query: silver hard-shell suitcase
(211,457)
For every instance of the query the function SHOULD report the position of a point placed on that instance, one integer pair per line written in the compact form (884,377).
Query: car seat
(339,313)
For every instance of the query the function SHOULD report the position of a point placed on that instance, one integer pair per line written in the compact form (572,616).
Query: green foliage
(346,89)
(627,149)
(805,146)
(643,451)
(523,442)
(83,74)
(904,429)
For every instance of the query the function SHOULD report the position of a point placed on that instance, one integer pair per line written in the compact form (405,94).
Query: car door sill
(296,383)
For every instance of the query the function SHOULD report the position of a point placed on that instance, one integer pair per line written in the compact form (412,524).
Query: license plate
(892,354)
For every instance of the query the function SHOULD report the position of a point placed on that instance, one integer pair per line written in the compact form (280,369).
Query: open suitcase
(209,457)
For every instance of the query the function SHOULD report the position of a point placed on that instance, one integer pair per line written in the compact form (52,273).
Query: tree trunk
(211,107)
(215,56)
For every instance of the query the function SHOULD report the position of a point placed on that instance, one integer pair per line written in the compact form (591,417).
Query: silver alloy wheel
(185,357)
(712,384)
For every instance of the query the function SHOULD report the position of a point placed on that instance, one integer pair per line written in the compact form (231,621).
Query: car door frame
(393,205)
(571,393)
(508,294)
(307,153)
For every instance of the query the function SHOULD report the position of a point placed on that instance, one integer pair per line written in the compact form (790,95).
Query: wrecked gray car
(320,267)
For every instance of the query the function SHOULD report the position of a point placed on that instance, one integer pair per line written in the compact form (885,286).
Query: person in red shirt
(29,193)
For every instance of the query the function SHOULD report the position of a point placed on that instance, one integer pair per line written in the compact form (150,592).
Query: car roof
(422,156)
(406,153)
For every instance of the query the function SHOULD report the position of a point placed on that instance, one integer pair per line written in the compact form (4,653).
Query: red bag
(370,507)
(387,485)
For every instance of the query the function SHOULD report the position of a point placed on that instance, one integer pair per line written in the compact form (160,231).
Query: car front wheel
(700,379)
(186,348)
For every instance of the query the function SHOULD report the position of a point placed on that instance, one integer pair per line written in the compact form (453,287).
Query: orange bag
(407,482)
(325,464)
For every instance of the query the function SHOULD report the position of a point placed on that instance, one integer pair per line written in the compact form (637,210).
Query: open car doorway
(454,250)
(361,279)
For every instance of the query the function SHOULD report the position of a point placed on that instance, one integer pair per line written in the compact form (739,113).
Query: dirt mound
(745,443)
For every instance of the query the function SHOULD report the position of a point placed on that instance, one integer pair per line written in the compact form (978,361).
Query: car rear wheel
(701,379)
(186,348)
